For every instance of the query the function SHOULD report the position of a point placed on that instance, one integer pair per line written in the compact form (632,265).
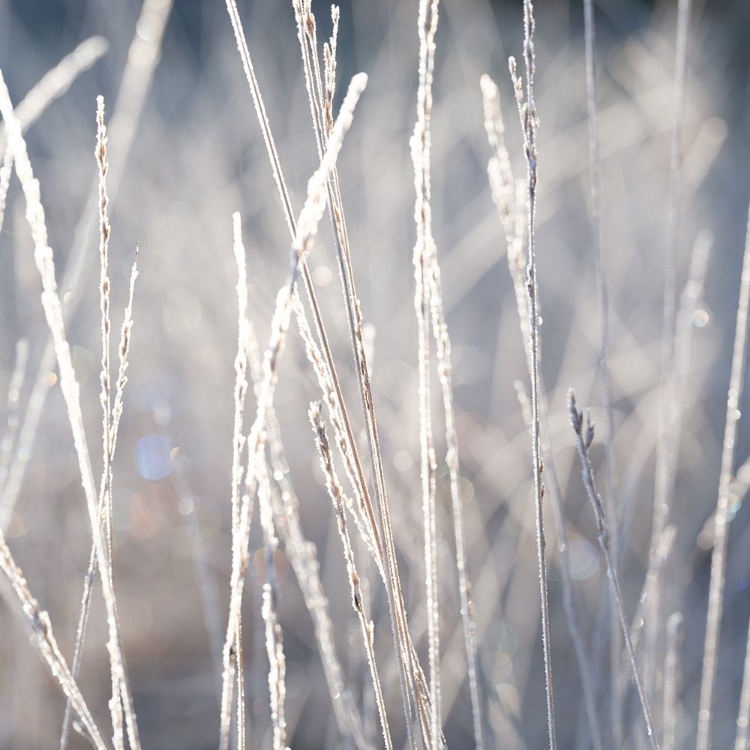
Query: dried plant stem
(671,675)
(303,559)
(721,520)
(45,639)
(424,253)
(527,113)
(361,483)
(742,741)
(143,55)
(306,230)
(445,374)
(666,447)
(238,444)
(105,490)
(411,680)
(274,635)
(336,494)
(112,412)
(571,600)
(583,442)
(53,311)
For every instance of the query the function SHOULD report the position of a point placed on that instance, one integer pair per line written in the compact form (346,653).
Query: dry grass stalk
(423,259)
(307,227)
(301,554)
(529,124)
(143,55)
(571,600)
(45,639)
(53,312)
(336,494)
(666,447)
(721,519)
(274,635)
(238,444)
(361,511)
(105,490)
(742,741)
(583,443)
(112,412)
(671,677)
(351,451)
(411,679)
(428,301)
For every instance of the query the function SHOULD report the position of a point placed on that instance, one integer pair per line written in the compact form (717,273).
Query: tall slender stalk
(307,227)
(721,519)
(529,124)
(583,443)
(336,494)
(424,253)
(143,56)
(44,260)
(47,644)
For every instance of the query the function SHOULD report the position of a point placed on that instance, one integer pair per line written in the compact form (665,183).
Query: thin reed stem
(44,260)
(571,600)
(336,494)
(143,55)
(424,254)
(307,227)
(529,124)
(47,644)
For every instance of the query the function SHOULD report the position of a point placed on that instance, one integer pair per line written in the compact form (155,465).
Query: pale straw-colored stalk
(47,644)
(529,124)
(424,251)
(414,693)
(336,494)
(112,412)
(307,227)
(143,56)
(44,260)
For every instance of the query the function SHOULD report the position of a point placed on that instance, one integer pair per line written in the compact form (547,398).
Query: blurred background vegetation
(196,157)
